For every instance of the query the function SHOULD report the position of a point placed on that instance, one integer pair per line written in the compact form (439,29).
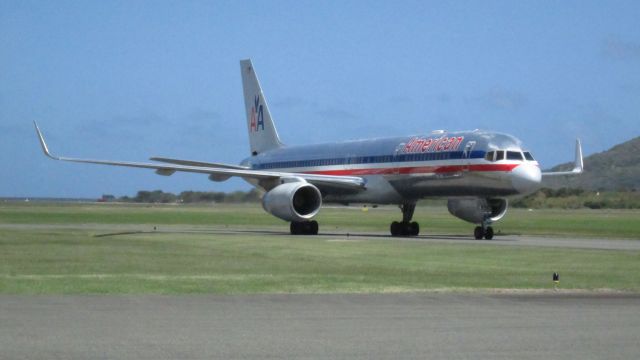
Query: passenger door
(396,155)
(466,155)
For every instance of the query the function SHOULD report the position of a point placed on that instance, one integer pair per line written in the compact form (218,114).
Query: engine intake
(478,211)
(294,201)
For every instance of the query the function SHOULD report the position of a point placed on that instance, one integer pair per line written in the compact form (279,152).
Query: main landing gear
(406,227)
(304,228)
(483,231)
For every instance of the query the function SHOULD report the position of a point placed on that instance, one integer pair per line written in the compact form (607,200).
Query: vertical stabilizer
(262,132)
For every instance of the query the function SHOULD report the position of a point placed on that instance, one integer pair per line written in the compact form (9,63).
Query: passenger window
(528,156)
(489,156)
(499,155)
(514,155)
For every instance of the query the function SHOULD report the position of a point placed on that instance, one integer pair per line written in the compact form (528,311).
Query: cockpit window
(510,155)
(489,156)
(514,155)
(528,156)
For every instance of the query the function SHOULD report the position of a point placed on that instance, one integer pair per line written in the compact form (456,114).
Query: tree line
(161,197)
(566,198)
(576,198)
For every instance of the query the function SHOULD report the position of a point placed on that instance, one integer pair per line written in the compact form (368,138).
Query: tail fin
(262,132)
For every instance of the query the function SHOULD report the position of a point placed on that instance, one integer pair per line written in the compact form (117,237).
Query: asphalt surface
(105,230)
(386,326)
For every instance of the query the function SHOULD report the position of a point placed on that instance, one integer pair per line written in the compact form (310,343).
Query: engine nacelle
(478,211)
(219,177)
(293,201)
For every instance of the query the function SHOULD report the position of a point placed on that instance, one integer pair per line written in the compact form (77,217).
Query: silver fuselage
(408,168)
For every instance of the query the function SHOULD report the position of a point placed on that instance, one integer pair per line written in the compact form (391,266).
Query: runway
(408,326)
(106,230)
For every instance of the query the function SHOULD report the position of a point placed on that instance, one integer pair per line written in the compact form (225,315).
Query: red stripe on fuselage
(418,170)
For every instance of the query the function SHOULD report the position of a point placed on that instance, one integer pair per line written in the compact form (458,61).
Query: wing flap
(197,163)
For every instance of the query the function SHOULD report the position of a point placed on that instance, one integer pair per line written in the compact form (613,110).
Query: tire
(488,234)
(395,228)
(404,229)
(313,227)
(414,228)
(294,228)
(478,233)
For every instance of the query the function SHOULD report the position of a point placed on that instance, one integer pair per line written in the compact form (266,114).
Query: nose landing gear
(406,227)
(483,231)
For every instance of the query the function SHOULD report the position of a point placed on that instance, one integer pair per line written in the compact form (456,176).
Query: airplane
(477,171)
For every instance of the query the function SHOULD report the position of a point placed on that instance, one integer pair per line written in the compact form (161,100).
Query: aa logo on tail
(257,117)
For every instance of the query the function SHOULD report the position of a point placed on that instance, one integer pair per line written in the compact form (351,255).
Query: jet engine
(476,210)
(294,201)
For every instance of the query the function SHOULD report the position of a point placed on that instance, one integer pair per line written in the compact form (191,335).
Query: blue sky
(133,79)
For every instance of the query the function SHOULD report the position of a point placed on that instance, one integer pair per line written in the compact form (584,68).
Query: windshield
(528,156)
(498,155)
(514,155)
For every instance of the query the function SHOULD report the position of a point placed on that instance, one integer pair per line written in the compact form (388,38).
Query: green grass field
(106,248)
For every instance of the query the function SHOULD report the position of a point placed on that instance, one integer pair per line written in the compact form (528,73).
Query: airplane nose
(526,178)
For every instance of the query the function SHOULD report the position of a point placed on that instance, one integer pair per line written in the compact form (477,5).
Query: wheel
(478,232)
(294,228)
(488,234)
(313,227)
(405,229)
(304,228)
(414,228)
(395,228)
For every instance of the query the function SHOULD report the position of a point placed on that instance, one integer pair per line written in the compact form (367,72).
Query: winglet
(578,164)
(45,149)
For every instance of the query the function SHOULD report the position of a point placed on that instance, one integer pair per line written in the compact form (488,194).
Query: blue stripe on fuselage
(378,159)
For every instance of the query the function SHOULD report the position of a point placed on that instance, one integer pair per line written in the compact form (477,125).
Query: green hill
(615,169)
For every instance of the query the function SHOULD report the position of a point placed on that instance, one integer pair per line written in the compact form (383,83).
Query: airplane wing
(267,179)
(578,165)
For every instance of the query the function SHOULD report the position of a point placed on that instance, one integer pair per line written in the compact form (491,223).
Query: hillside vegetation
(565,198)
